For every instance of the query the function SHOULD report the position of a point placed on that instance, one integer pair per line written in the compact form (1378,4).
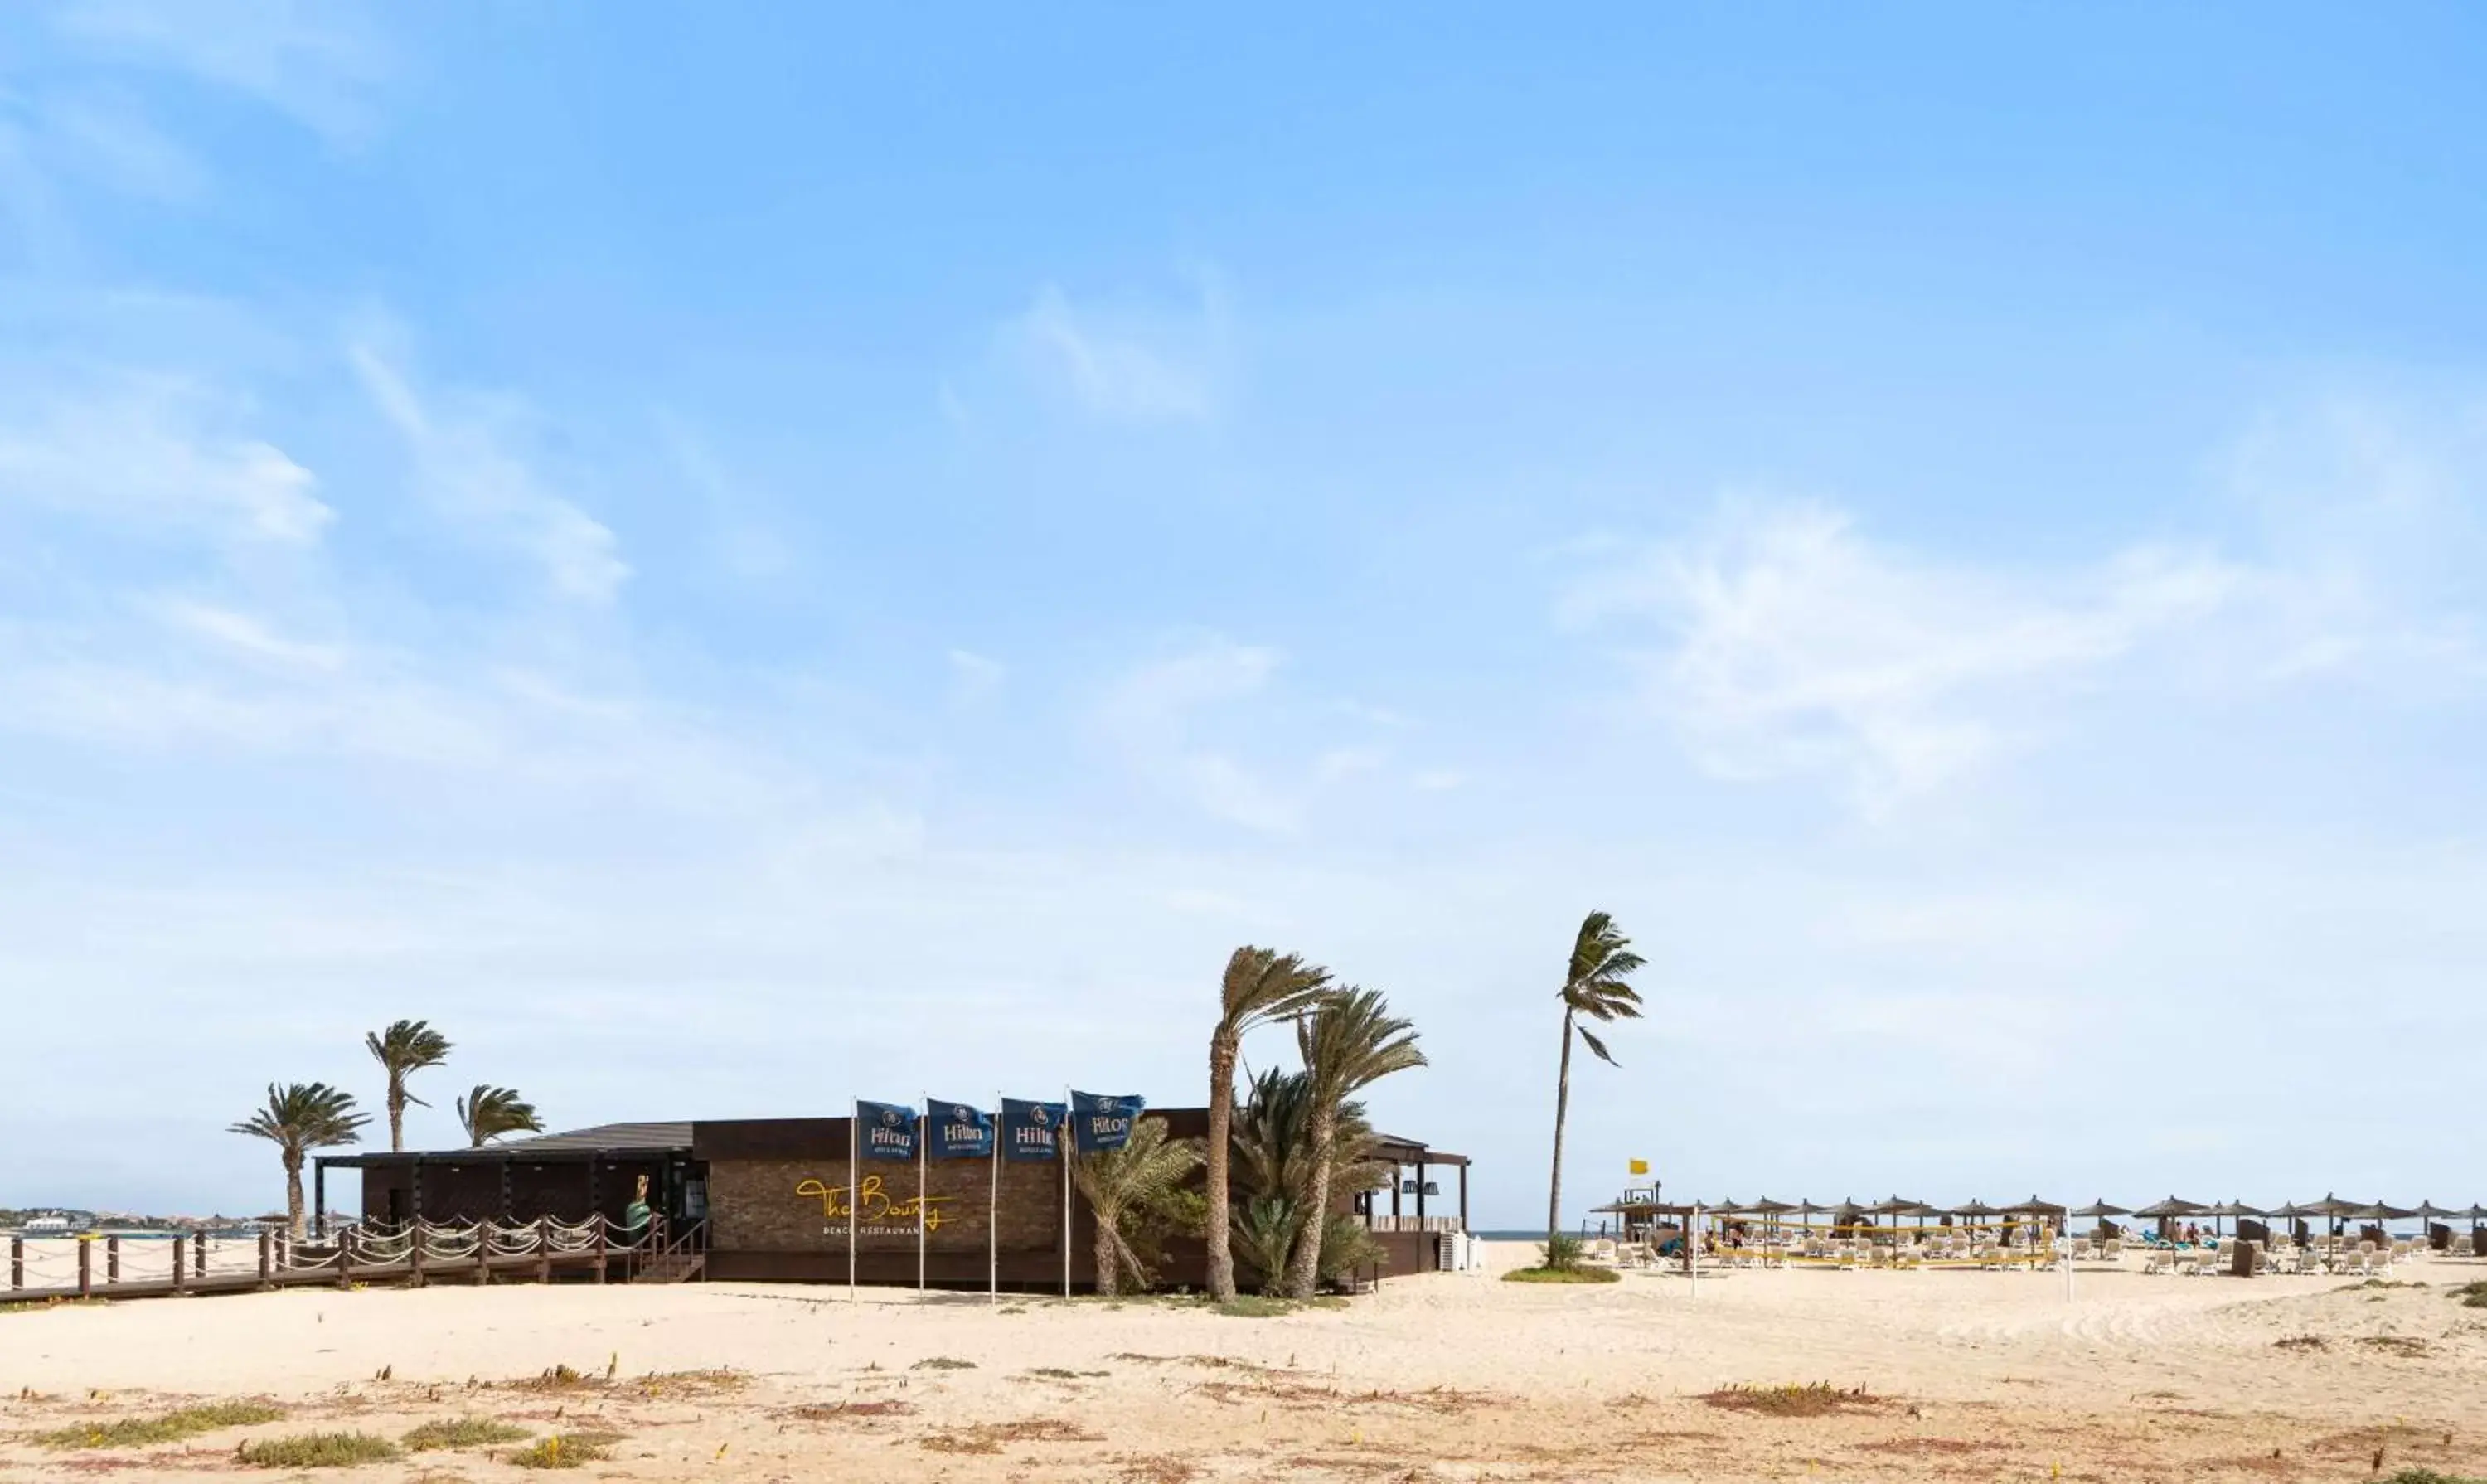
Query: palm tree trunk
(1304,1265)
(397,1114)
(1562,1107)
(294,1196)
(1109,1260)
(1222,1051)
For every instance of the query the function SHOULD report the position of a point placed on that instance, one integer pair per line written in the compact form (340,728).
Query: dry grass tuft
(989,1437)
(1819,1400)
(844,1411)
(169,1427)
(942,1363)
(2303,1342)
(1158,1468)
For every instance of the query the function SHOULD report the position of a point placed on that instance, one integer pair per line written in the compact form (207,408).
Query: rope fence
(94,1265)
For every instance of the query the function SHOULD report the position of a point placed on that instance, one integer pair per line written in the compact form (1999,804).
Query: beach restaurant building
(767,1200)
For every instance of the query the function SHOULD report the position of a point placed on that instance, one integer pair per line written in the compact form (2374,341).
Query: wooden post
(199,1253)
(599,1220)
(544,1250)
(345,1257)
(266,1254)
(181,1256)
(111,1261)
(16,1262)
(86,1267)
(414,1252)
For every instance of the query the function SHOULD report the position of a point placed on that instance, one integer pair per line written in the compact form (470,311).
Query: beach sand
(1439,1377)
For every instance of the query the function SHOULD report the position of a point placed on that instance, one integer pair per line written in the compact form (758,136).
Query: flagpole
(923,1159)
(855,1191)
(994,1215)
(1067,1141)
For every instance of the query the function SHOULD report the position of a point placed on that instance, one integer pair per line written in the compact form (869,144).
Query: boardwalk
(50,1270)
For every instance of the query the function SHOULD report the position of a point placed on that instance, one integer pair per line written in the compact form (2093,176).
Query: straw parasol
(1769,1207)
(2100,1208)
(2035,1206)
(2378,1212)
(2429,1210)
(2474,1213)
(1975,1206)
(2234,1208)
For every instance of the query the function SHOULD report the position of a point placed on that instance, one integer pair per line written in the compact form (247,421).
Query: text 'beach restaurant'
(965,1196)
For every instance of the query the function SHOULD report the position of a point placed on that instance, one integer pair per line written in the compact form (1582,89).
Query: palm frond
(1595,982)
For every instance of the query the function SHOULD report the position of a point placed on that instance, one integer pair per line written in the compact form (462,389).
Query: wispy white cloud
(466,467)
(1153,715)
(156,456)
(1127,364)
(974,679)
(318,63)
(741,540)
(246,634)
(1787,643)
(110,138)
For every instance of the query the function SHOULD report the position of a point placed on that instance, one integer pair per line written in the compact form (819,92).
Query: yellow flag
(1640,1166)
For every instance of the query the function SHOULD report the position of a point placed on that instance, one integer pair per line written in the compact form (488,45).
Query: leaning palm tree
(488,1112)
(299,1117)
(402,1050)
(1349,1042)
(1130,1189)
(1593,988)
(1262,987)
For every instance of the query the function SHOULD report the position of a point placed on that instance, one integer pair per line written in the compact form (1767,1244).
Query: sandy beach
(1452,1375)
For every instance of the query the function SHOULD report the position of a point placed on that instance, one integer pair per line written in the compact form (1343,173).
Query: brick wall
(800,1205)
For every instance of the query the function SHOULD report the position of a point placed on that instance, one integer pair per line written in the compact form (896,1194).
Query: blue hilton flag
(1102,1120)
(961,1132)
(1028,1129)
(884,1131)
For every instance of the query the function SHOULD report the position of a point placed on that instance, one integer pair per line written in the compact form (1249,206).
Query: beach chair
(2115,1250)
(2463,1247)
(2155,1260)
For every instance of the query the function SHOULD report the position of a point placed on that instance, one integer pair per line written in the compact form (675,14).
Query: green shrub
(1560,1252)
(170,1427)
(463,1433)
(559,1452)
(1575,1275)
(318,1451)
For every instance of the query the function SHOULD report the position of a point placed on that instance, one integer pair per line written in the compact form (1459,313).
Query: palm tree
(1349,1042)
(402,1050)
(1262,987)
(1593,988)
(489,1112)
(302,1116)
(1274,1161)
(1130,1189)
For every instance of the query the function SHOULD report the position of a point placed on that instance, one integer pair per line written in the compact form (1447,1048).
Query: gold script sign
(878,1207)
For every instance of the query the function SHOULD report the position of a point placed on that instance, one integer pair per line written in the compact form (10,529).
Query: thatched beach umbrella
(2172,1208)
(2233,1208)
(2427,1210)
(1975,1210)
(2098,1210)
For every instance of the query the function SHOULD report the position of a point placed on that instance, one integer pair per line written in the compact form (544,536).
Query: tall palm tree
(1261,986)
(1593,988)
(1127,1189)
(302,1116)
(488,1112)
(402,1050)
(1349,1042)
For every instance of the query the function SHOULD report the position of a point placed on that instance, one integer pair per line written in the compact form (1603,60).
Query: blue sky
(739,561)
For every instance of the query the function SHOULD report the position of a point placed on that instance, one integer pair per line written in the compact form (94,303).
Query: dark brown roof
(574,1144)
